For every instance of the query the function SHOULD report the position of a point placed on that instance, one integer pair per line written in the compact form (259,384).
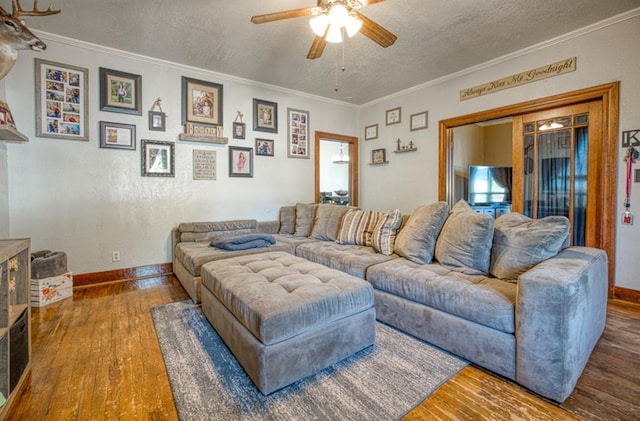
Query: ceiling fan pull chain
(336,72)
(343,65)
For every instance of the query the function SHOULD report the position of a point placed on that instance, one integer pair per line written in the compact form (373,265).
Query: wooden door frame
(609,94)
(353,163)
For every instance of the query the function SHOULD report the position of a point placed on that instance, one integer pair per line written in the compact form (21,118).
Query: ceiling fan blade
(369,2)
(317,48)
(287,14)
(375,32)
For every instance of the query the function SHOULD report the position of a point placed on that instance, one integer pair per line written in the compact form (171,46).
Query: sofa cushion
(487,301)
(357,227)
(417,239)
(519,243)
(287,220)
(384,234)
(305,214)
(466,238)
(327,221)
(206,231)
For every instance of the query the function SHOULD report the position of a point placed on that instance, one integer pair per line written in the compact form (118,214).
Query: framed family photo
(62,92)
(117,135)
(201,102)
(265,116)
(157,121)
(264,147)
(298,133)
(120,92)
(240,162)
(158,158)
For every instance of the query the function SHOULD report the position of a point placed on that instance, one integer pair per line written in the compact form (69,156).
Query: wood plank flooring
(96,357)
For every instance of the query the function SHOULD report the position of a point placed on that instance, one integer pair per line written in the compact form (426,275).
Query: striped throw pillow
(384,234)
(357,227)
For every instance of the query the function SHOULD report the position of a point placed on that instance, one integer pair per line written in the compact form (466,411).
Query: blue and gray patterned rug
(382,382)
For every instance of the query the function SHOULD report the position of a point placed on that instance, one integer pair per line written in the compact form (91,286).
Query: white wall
(605,53)
(75,197)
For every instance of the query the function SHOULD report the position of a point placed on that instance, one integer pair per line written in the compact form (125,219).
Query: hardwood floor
(96,357)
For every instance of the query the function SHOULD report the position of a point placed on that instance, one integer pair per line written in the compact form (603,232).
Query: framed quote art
(201,102)
(61,101)
(419,121)
(393,116)
(298,133)
(120,92)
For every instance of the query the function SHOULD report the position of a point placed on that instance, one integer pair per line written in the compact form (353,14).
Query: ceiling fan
(329,19)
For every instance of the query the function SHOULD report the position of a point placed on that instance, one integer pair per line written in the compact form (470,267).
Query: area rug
(381,382)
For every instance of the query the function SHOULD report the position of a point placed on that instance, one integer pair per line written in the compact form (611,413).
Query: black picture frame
(239,130)
(117,135)
(379,156)
(202,102)
(157,121)
(120,92)
(240,161)
(158,158)
(265,116)
(264,147)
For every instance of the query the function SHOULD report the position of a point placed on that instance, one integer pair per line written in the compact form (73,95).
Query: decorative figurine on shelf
(411,144)
(398,142)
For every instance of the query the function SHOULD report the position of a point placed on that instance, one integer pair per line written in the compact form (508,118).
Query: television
(489,185)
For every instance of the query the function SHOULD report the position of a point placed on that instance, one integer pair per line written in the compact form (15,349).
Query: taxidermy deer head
(15,36)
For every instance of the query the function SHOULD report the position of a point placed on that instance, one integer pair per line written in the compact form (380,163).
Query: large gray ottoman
(284,317)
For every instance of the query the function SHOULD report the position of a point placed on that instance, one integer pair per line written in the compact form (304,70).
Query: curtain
(502,177)
(580,159)
(554,173)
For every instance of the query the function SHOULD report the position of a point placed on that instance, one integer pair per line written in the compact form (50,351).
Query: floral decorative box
(49,290)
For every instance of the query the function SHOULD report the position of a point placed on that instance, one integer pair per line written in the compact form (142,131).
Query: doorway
(346,152)
(600,210)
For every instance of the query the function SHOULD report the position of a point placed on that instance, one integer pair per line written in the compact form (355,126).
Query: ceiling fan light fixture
(319,24)
(334,34)
(338,14)
(352,25)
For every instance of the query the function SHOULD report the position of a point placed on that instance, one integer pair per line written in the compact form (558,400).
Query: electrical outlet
(115,256)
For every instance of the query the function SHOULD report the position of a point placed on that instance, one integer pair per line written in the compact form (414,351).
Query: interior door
(557,168)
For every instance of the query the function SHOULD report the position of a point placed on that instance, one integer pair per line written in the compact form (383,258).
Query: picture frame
(157,121)
(264,147)
(62,97)
(265,116)
(202,102)
(379,156)
(158,158)
(297,133)
(371,132)
(117,135)
(240,161)
(120,92)
(204,164)
(3,117)
(239,130)
(419,121)
(394,116)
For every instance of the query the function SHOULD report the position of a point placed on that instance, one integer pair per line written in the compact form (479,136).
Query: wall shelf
(203,138)
(9,134)
(405,150)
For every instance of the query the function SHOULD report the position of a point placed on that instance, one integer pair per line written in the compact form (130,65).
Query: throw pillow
(327,222)
(465,239)
(519,243)
(305,214)
(416,241)
(357,227)
(384,234)
(287,220)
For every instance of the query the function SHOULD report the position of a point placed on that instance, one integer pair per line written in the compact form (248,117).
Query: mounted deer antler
(15,36)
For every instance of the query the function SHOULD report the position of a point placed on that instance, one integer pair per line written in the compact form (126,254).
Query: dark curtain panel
(502,177)
(580,160)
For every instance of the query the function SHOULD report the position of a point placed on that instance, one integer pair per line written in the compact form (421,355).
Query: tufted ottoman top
(277,295)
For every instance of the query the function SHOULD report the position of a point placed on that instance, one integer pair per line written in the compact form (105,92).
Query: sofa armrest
(175,239)
(560,315)
(269,227)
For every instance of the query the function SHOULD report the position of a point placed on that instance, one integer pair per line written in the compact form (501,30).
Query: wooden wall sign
(543,72)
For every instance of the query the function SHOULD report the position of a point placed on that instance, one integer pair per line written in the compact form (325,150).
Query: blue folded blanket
(244,241)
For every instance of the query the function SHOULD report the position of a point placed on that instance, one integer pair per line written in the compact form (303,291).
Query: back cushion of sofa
(205,231)
(305,214)
(519,243)
(465,239)
(357,227)
(417,239)
(327,221)
(384,234)
(287,219)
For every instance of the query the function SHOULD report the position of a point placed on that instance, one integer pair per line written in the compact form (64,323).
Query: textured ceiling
(435,37)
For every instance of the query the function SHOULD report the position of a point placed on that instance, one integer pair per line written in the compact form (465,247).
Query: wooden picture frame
(157,121)
(371,132)
(379,156)
(62,98)
(239,130)
(419,121)
(240,161)
(393,116)
(264,147)
(117,135)
(297,133)
(265,116)
(158,158)
(120,92)
(202,102)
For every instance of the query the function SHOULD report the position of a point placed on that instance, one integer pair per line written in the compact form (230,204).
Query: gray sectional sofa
(507,295)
